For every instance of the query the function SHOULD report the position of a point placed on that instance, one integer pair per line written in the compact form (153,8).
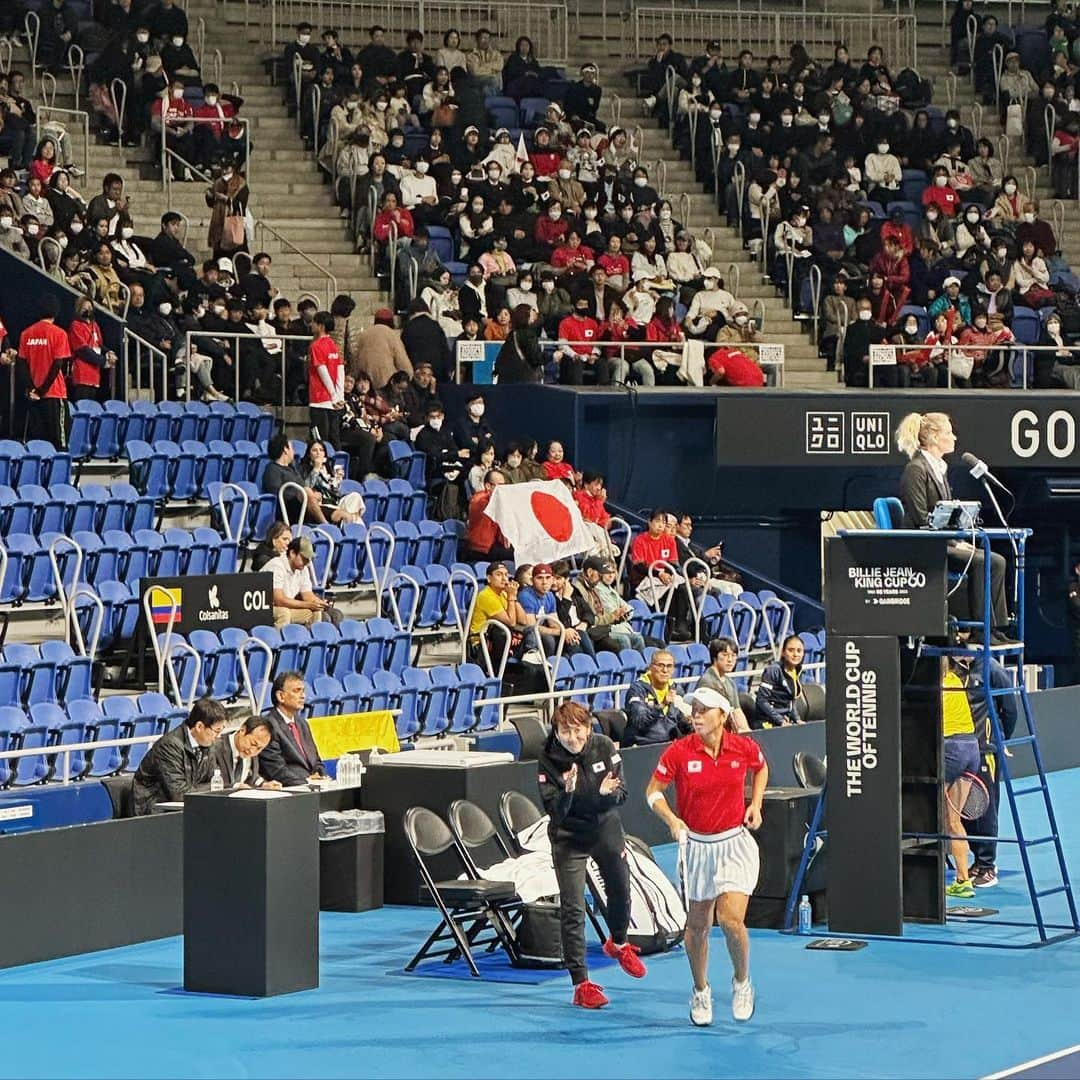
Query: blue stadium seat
(65,727)
(85,417)
(357,693)
(118,719)
(148,468)
(12,721)
(34,769)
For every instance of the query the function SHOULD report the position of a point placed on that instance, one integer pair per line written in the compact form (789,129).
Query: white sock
(740,985)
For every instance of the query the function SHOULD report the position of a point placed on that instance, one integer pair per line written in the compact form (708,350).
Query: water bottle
(805,915)
(375,755)
(216,782)
(346,771)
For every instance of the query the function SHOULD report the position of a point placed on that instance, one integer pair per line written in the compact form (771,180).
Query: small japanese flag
(522,153)
(540,519)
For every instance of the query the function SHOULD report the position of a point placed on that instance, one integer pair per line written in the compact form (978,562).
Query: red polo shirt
(481,533)
(41,345)
(647,549)
(592,508)
(322,352)
(84,335)
(709,795)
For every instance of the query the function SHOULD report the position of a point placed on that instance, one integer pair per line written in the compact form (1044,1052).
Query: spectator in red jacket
(896,228)
(175,127)
(581,331)
(545,157)
(664,329)
(551,228)
(590,499)
(891,264)
(942,194)
(573,258)
(484,539)
(648,547)
(213,115)
(732,367)
(392,214)
(555,465)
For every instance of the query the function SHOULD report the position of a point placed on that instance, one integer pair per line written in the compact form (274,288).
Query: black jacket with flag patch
(579,814)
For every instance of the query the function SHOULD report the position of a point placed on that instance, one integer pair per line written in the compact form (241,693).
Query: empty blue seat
(149,468)
(357,693)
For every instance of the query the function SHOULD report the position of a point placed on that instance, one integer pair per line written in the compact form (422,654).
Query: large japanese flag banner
(540,520)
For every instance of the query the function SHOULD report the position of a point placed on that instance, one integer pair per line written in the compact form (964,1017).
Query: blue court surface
(891,1009)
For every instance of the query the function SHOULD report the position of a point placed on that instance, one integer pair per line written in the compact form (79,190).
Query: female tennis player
(719,858)
(580,775)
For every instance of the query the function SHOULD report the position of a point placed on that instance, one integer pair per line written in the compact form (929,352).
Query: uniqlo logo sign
(869,433)
(825,433)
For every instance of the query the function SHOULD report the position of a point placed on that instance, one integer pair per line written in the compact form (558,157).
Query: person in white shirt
(236,755)
(883,173)
(294,586)
(419,194)
(711,301)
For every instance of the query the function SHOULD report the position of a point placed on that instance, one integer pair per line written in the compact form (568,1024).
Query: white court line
(1032,1064)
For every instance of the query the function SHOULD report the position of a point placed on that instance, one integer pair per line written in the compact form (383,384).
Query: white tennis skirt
(721,863)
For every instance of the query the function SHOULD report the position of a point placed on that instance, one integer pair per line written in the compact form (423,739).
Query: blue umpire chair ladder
(1012,658)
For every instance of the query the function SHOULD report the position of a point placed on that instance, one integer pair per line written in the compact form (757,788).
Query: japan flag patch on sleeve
(693,766)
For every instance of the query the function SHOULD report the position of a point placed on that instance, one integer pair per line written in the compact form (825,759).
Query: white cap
(951,281)
(711,271)
(709,699)
(225,265)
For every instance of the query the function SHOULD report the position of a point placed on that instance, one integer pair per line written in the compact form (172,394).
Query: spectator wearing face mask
(883,173)
(551,229)
(523,292)
(914,356)
(566,189)
(972,239)
(861,334)
(1035,229)
(988,363)
(578,334)
(1060,367)
(171,117)
(88,352)
(227,198)
(472,432)
(545,157)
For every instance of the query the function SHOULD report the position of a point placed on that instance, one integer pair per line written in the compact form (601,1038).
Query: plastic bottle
(346,770)
(805,915)
(216,782)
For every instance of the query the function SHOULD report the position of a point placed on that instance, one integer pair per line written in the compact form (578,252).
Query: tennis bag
(539,935)
(657,914)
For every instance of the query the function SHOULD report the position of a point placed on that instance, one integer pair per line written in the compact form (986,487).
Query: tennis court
(892,1009)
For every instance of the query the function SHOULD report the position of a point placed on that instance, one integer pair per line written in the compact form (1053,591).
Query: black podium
(883,729)
(251,894)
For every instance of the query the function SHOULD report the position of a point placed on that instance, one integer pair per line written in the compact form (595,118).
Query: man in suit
(237,754)
(182,760)
(291,757)
(927,438)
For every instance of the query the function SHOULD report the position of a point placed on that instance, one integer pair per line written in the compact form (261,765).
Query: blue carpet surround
(893,1009)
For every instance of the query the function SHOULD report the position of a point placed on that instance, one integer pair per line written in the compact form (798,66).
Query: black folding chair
(533,733)
(468,905)
(517,812)
(809,770)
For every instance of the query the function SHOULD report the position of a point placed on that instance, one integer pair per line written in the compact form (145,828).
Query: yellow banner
(337,735)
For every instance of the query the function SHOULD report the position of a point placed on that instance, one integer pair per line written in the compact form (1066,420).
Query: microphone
(981,471)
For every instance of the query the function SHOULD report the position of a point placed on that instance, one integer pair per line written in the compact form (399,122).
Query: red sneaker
(627,955)
(589,996)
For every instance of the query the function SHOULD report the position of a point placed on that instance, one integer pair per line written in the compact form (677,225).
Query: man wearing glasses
(182,760)
(654,711)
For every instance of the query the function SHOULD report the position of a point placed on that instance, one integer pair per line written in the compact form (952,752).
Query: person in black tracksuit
(580,776)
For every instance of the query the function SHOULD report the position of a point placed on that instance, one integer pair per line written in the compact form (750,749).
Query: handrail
(200,40)
(395,608)
(739,180)
(662,564)
(696,609)
(75,630)
(815,298)
(7,54)
(226,524)
(330,556)
(391,255)
(775,640)
(58,576)
(183,646)
(298,527)
(65,750)
(32,27)
(119,104)
(550,664)
(461,625)
(76,61)
(486,651)
(258,701)
(331,281)
(48,88)
(155,354)
(378,579)
(624,549)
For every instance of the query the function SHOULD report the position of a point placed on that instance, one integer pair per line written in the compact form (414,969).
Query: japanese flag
(522,153)
(540,520)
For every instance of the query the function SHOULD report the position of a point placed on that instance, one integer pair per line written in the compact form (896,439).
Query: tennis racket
(975,803)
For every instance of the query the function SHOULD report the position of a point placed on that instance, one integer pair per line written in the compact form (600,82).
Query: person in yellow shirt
(496,600)
(961,755)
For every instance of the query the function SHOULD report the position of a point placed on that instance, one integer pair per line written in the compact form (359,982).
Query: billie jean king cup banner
(882,584)
(540,520)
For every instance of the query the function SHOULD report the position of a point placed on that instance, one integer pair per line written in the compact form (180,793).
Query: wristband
(654,798)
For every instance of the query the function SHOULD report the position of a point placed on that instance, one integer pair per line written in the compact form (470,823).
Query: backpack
(657,913)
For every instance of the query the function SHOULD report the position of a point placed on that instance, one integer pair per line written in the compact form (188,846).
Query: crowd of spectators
(558,242)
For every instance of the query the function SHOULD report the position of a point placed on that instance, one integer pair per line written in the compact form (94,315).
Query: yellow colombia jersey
(955,711)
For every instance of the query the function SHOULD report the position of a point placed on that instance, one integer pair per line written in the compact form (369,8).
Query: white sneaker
(701,1007)
(742,1000)
(650,102)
